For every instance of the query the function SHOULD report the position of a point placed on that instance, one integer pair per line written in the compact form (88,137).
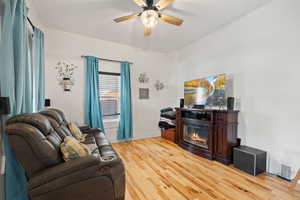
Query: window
(110,95)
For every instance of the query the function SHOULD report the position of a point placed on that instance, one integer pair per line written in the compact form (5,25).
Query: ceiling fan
(151,15)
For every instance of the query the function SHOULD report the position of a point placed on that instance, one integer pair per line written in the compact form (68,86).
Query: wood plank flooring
(157,169)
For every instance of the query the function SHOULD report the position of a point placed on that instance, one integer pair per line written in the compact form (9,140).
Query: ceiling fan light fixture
(149,18)
(151,14)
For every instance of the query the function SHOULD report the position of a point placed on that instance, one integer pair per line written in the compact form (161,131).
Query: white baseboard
(150,135)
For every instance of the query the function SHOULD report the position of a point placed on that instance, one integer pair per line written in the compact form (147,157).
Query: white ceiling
(95,18)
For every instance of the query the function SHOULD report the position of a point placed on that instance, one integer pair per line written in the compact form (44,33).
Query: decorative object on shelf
(65,74)
(143,78)
(144,93)
(221,102)
(159,85)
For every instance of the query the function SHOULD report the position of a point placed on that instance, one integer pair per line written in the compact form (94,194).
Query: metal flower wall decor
(159,85)
(143,78)
(65,72)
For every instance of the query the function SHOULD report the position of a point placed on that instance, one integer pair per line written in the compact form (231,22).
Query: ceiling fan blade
(163,3)
(140,3)
(147,31)
(171,20)
(124,18)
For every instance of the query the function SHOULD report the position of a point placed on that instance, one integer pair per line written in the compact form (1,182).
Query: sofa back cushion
(61,113)
(34,141)
(58,122)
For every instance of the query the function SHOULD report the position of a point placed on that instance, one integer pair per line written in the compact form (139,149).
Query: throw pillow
(73,149)
(76,132)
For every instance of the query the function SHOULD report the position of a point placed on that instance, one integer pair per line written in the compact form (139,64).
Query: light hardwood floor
(157,169)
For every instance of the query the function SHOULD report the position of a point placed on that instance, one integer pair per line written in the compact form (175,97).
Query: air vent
(286,172)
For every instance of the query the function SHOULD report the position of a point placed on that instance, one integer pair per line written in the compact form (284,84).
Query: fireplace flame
(196,137)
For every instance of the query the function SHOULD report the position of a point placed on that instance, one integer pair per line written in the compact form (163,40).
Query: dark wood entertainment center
(209,133)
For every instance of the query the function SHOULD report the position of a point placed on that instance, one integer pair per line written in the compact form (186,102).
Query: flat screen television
(209,91)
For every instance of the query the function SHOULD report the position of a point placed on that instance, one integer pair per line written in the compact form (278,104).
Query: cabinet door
(220,133)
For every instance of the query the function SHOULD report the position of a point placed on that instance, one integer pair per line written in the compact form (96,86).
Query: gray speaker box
(230,103)
(181,103)
(250,160)
(4,106)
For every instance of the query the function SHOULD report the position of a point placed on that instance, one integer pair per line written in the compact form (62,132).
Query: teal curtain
(93,115)
(16,71)
(39,66)
(15,179)
(16,79)
(125,124)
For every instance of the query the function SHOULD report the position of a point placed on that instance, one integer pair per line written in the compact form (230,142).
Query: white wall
(262,52)
(62,46)
(34,15)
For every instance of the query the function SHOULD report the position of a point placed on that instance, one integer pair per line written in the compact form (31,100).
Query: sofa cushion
(93,149)
(36,120)
(57,122)
(89,139)
(59,112)
(54,115)
(61,130)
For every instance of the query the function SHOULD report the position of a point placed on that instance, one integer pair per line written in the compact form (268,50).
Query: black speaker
(250,160)
(181,103)
(47,102)
(201,107)
(4,106)
(238,141)
(230,103)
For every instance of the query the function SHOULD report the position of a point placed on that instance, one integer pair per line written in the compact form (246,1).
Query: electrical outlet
(286,172)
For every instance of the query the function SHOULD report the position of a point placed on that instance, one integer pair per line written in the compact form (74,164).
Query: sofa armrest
(79,178)
(80,165)
(92,130)
(83,127)
(87,128)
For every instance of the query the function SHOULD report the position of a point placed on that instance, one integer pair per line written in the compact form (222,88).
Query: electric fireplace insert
(196,135)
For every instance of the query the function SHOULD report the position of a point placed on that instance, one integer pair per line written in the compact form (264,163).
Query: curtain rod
(30,22)
(108,59)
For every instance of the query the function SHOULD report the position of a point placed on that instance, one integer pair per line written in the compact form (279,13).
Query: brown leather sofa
(36,139)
